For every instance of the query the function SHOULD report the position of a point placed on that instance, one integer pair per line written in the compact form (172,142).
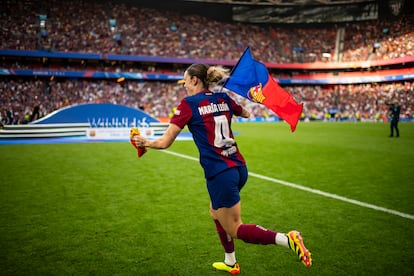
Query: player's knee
(234,230)
(212,213)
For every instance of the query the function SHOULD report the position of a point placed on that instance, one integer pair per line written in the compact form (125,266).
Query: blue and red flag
(251,79)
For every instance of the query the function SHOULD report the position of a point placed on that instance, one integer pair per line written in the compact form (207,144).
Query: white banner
(116,133)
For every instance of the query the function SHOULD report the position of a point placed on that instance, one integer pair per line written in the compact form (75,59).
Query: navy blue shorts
(224,188)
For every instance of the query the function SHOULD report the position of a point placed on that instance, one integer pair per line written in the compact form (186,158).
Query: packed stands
(110,28)
(338,102)
(149,32)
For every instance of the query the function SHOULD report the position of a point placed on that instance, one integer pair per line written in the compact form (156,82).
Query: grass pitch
(96,209)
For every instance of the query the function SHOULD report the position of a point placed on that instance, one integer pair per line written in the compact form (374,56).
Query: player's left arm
(245,113)
(239,110)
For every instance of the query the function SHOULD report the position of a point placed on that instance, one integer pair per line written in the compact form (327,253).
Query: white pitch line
(314,191)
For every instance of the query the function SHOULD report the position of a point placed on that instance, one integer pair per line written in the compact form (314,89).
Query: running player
(208,117)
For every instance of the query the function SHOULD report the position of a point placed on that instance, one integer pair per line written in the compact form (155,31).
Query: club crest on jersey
(255,94)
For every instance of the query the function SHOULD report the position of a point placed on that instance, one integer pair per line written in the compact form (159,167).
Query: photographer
(395,117)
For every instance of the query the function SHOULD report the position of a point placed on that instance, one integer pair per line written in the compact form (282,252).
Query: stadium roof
(287,11)
(283,2)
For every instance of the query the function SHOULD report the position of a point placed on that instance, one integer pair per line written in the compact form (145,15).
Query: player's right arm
(161,143)
(166,139)
(181,116)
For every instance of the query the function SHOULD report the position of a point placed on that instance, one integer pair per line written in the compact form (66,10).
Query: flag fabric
(251,79)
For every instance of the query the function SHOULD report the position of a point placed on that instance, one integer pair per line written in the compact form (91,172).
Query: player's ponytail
(209,75)
(216,74)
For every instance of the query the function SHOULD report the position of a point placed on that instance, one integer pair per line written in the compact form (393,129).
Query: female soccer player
(208,117)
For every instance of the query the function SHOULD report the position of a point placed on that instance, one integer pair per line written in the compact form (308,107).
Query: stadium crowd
(334,102)
(379,40)
(149,32)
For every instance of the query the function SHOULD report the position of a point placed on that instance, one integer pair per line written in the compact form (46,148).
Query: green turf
(96,209)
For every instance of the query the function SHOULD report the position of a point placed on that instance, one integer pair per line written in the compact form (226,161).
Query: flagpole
(234,67)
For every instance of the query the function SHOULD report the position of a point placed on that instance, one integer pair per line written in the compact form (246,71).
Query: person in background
(208,117)
(395,110)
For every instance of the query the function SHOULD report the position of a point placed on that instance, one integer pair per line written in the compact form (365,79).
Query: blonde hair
(209,75)
(216,74)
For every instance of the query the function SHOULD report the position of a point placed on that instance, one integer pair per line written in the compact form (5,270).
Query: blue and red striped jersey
(208,117)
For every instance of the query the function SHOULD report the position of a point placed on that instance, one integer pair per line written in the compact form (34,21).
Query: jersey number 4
(222,132)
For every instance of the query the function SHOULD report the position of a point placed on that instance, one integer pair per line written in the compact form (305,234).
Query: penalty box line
(314,191)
